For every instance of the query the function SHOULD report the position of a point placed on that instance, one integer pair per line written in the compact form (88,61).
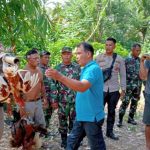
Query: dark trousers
(111,98)
(93,132)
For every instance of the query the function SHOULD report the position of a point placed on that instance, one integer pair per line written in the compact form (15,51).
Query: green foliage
(100,48)
(146,48)
(55,49)
(28,23)
(121,51)
(23,22)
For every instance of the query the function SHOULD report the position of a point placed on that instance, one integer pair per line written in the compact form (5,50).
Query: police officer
(65,96)
(112,86)
(134,84)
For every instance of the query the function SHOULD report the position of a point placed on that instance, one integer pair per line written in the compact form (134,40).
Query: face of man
(82,56)
(109,46)
(66,57)
(136,51)
(45,59)
(33,60)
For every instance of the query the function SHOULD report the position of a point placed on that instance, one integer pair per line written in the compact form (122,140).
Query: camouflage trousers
(132,96)
(66,115)
(48,113)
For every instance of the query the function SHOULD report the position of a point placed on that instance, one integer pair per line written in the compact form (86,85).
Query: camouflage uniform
(47,84)
(133,89)
(66,98)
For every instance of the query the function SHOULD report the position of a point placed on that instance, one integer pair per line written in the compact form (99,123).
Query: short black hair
(111,39)
(87,47)
(136,45)
(32,51)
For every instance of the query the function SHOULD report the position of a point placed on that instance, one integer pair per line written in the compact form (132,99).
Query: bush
(100,48)
(55,50)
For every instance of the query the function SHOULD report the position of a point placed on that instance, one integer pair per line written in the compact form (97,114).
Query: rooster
(14,81)
(25,134)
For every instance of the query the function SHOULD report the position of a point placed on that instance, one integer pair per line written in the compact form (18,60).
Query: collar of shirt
(63,65)
(43,66)
(89,64)
(136,58)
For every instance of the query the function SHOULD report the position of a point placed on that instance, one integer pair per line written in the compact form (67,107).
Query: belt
(34,100)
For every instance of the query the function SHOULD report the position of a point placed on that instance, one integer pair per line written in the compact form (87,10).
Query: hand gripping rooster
(14,81)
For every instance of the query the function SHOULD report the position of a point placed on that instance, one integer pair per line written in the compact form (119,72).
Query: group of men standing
(81,94)
(57,94)
(125,74)
(128,80)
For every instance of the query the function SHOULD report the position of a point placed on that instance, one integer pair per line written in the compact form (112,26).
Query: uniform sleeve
(126,62)
(78,72)
(53,92)
(48,83)
(122,74)
(97,59)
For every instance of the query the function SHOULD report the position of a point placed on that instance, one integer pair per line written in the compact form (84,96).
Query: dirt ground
(130,137)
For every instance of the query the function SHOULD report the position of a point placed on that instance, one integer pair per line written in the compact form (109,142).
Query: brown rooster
(14,81)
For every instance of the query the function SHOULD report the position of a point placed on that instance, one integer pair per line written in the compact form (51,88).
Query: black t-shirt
(1,104)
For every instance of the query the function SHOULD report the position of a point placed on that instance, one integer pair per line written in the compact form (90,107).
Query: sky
(61,1)
(50,3)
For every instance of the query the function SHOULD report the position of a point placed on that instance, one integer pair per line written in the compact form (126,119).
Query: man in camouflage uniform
(66,96)
(134,84)
(44,60)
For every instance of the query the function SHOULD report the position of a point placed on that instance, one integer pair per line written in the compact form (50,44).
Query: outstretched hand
(52,73)
(145,57)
